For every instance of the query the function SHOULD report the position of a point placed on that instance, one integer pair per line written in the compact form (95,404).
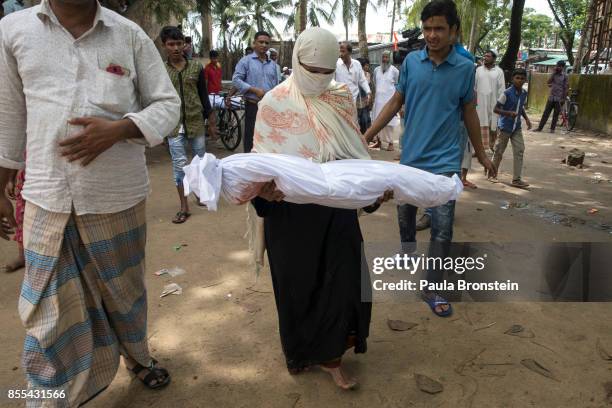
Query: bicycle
(569,111)
(229,123)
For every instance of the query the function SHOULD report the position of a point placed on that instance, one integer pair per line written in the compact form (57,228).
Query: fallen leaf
(602,352)
(427,384)
(519,331)
(538,368)
(400,325)
(250,307)
(608,389)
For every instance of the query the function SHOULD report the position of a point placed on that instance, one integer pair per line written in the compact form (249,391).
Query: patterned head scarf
(310,115)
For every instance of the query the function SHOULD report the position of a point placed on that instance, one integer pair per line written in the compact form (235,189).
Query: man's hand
(97,136)
(489,168)
(388,195)
(10,189)
(259,92)
(212,132)
(528,123)
(7,220)
(270,192)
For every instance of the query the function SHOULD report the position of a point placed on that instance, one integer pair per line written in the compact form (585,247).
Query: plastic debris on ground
(171,289)
(176,271)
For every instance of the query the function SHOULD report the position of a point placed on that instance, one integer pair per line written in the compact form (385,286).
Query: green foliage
(570,14)
(165,10)
(318,10)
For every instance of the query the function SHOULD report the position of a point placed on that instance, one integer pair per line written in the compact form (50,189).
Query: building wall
(594,99)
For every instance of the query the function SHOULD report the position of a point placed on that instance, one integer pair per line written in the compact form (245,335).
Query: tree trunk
(568,43)
(303,12)
(473,32)
(205,6)
(585,38)
(361,28)
(514,41)
(393,20)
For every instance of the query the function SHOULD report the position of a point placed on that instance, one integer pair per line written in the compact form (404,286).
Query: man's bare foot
(390,148)
(469,184)
(341,379)
(14,265)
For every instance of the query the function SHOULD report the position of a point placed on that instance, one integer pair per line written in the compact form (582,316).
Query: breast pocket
(113,93)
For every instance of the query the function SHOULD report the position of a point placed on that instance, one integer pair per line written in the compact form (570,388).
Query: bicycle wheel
(572,115)
(232,133)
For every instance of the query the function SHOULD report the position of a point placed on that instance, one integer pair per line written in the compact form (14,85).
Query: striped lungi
(83,300)
(484,134)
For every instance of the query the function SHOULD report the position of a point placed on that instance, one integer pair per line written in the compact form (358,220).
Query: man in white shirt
(489,85)
(350,72)
(386,77)
(85,89)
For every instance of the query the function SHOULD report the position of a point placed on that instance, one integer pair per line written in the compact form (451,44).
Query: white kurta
(385,88)
(490,84)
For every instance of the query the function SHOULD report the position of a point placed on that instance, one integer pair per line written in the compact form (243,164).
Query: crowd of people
(85,127)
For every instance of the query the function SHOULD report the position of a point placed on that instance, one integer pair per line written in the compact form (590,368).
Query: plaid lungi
(83,300)
(484,134)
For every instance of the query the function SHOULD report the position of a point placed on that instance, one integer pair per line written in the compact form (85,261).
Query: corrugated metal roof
(553,60)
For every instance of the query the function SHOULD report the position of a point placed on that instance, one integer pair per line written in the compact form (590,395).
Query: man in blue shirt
(436,86)
(254,76)
(511,106)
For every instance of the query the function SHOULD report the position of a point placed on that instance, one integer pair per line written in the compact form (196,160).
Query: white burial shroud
(348,184)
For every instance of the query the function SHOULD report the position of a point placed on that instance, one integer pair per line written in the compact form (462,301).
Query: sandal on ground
(469,184)
(433,300)
(299,370)
(519,184)
(157,377)
(493,180)
(181,217)
(374,145)
(339,377)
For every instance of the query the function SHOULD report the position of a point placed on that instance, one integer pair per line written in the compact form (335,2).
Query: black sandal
(181,217)
(160,375)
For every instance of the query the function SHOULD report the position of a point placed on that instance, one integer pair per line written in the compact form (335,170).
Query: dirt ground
(219,339)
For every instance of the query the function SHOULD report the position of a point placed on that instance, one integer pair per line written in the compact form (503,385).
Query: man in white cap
(274,57)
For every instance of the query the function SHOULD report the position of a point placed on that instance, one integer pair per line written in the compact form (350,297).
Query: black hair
(171,33)
(349,46)
(365,61)
(260,33)
(446,8)
(188,40)
(519,71)
(213,54)
(492,53)
(560,63)
(248,49)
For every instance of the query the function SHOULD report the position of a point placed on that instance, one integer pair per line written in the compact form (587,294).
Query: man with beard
(386,77)
(490,85)
(86,90)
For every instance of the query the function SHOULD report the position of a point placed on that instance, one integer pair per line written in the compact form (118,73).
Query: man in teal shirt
(436,86)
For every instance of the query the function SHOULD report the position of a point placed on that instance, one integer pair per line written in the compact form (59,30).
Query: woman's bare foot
(341,379)
(14,265)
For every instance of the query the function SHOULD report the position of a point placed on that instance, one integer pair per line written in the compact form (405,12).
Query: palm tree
(303,9)
(259,16)
(318,10)
(350,10)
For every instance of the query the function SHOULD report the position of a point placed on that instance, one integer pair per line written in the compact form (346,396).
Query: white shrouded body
(348,184)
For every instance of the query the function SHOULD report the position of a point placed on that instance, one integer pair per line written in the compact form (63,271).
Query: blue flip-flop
(438,300)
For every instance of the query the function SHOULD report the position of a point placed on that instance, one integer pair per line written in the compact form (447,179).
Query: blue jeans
(442,220)
(178,151)
(365,121)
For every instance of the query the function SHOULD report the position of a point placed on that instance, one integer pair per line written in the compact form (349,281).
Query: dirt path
(220,339)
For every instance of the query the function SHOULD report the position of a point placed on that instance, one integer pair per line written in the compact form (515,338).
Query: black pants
(250,113)
(550,105)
